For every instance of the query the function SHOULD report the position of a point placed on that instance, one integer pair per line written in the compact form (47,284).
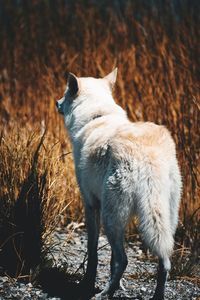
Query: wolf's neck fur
(83,112)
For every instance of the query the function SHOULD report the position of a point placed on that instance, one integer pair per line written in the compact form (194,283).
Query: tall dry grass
(34,194)
(155,45)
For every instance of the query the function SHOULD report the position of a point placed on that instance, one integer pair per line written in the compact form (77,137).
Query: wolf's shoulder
(147,133)
(143,139)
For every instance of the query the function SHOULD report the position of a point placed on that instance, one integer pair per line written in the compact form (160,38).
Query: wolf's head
(87,98)
(85,88)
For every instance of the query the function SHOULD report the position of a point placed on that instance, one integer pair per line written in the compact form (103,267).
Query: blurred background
(154,44)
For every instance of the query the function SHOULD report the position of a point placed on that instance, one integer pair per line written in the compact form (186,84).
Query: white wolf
(122,168)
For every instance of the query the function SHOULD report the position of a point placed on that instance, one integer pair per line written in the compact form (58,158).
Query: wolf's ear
(72,82)
(111,78)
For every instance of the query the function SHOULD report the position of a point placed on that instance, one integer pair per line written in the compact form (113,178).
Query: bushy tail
(154,224)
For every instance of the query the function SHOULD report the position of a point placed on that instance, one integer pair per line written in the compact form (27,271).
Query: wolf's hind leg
(163,268)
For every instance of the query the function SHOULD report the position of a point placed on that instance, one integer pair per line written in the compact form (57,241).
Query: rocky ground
(70,250)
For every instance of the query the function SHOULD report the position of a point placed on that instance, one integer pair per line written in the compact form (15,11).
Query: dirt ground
(70,251)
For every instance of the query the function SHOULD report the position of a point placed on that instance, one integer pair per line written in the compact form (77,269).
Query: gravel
(70,251)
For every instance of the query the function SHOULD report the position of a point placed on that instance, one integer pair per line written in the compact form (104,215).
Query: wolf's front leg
(115,234)
(92,223)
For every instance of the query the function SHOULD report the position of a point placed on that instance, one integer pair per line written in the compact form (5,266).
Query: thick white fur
(122,167)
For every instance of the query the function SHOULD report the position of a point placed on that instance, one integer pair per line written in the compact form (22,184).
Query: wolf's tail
(154,223)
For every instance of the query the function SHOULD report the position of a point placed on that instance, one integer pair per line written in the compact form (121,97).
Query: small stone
(29,285)
(38,293)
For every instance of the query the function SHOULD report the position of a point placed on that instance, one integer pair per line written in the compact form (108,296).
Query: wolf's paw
(157,298)
(101,296)
(87,289)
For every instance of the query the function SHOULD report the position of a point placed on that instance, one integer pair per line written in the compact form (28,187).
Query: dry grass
(156,50)
(34,195)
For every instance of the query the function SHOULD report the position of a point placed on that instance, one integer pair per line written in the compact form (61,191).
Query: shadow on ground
(58,283)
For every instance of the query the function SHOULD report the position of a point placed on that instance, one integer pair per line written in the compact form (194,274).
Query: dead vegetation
(156,49)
